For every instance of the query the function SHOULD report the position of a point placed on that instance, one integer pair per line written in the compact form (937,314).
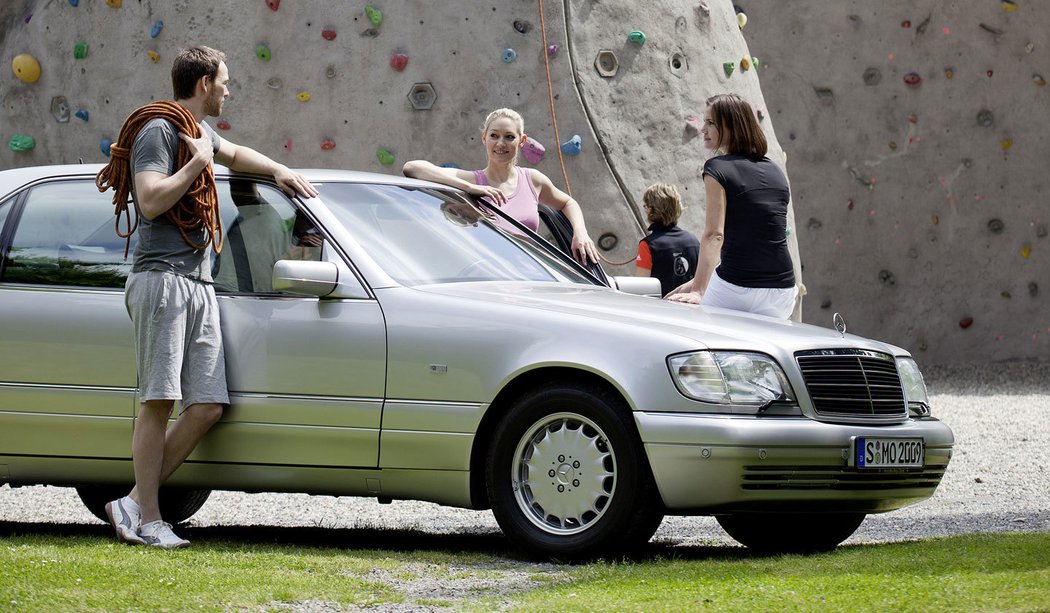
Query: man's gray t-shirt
(160,244)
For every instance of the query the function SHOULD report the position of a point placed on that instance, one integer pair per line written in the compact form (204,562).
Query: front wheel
(791,532)
(176,504)
(567,476)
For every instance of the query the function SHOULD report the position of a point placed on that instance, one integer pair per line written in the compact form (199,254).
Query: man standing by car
(163,158)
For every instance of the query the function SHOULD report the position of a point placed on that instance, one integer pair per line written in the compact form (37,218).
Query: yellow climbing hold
(1009,6)
(741,20)
(303,96)
(113,3)
(1006,144)
(745,63)
(1038,80)
(1026,251)
(935,220)
(153,56)
(26,68)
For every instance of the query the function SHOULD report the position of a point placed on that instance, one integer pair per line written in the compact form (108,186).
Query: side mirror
(641,286)
(305,277)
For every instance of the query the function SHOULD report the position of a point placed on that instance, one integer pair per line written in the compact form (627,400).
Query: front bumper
(709,464)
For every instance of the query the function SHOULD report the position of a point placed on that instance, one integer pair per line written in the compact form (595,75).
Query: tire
(791,532)
(567,476)
(176,504)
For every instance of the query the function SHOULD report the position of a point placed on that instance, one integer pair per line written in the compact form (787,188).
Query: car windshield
(422,236)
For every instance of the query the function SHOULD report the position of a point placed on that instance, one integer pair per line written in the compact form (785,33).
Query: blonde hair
(510,114)
(664,202)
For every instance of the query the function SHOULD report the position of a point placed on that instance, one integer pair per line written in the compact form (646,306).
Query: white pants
(772,301)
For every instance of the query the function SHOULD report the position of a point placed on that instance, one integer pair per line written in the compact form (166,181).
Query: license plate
(875,452)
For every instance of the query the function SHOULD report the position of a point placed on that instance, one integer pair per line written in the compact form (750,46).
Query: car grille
(835,478)
(853,383)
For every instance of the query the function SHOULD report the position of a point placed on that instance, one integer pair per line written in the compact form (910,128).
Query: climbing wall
(611,91)
(917,143)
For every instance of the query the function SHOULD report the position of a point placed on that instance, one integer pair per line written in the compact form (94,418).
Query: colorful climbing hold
(552,50)
(965,322)
(385,157)
(154,32)
(935,219)
(754,62)
(153,56)
(949,73)
(533,150)
(74,2)
(21,142)
(450,165)
(637,37)
(104,146)
(509,55)
(81,114)
(741,20)
(1026,251)
(989,74)
(398,61)
(328,34)
(912,79)
(303,96)
(573,146)
(26,67)
(263,52)
(906,24)
(374,15)
(692,123)
(745,63)
(222,124)
(728,67)
(273,4)
(327,144)
(80,50)
(1009,6)
(1006,143)
(1038,80)
(113,3)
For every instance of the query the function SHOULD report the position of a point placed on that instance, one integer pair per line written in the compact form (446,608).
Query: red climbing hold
(905,24)
(273,4)
(913,119)
(913,79)
(328,144)
(328,34)
(965,322)
(398,61)
(222,124)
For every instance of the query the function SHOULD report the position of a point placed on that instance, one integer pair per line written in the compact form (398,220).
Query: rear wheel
(176,504)
(791,532)
(567,475)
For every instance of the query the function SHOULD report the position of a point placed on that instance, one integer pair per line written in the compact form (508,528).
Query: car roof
(14,178)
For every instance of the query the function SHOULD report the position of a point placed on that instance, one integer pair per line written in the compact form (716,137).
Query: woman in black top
(745,232)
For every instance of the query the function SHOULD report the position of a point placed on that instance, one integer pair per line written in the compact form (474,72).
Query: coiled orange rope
(199,206)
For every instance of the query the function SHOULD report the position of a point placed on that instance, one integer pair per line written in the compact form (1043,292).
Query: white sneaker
(158,534)
(125,517)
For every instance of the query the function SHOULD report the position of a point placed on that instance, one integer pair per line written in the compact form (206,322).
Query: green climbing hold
(21,142)
(80,50)
(374,15)
(385,157)
(637,37)
(728,68)
(263,52)
(754,62)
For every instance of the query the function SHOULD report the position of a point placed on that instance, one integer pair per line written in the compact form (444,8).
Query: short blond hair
(664,203)
(505,113)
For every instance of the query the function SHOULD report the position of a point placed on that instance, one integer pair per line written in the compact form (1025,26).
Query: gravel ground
(998,481)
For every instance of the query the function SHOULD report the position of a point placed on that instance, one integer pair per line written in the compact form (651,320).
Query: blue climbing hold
(104,145)
(157,27)
(509,55)
(81,114)
(74,2)
(450,165)
(573,146)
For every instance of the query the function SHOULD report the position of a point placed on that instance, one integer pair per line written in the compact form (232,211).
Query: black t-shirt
(755,251)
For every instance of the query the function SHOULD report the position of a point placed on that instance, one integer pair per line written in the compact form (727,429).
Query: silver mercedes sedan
(395,339)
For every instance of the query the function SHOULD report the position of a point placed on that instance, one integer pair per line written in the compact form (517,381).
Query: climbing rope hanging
(554,122)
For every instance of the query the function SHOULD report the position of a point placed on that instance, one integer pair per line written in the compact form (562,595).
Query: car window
(260,226)
(423,236)
(66,236)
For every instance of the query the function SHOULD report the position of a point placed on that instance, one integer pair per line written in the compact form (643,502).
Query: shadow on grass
(372,539)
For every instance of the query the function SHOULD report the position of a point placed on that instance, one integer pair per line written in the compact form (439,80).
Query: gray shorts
(177,338)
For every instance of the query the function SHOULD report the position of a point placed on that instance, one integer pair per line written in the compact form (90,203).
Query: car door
(306,375)
(67,364)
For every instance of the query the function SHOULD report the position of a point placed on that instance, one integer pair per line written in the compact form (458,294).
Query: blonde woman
(516,190)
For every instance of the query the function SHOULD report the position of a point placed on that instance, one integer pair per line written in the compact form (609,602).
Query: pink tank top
(522,205)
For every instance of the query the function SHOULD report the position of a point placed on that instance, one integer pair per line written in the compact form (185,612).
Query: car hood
(711,327)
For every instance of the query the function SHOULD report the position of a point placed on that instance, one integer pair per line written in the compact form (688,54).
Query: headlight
(914,387)
(730,377)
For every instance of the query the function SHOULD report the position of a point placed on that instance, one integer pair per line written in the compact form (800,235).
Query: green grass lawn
(259,569)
